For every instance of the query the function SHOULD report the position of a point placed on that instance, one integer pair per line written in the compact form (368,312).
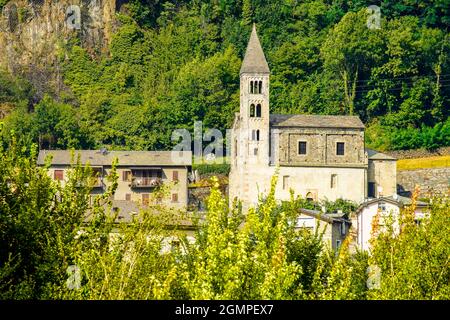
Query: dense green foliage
(171,63)
(259,255)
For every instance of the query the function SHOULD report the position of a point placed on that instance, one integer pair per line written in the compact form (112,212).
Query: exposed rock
(34,32)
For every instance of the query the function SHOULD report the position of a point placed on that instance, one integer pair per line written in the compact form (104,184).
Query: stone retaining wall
(432,180)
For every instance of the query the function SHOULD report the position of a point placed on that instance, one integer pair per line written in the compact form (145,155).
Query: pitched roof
(395,200)
(376,155)
(315,121)
(125,158)
(254,59)
(327,217)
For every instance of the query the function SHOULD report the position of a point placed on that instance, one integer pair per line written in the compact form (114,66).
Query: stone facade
(430,181)
(317,157)
(139,175)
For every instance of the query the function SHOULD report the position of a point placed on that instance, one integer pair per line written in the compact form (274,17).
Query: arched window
(251,86)
(258,110)
(260,87)
(257,135)
(252,110)
(309,197)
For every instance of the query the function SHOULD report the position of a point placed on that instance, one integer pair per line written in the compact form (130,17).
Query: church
(317,156)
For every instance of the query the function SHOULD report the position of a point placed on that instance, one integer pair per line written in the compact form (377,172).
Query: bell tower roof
(254,59)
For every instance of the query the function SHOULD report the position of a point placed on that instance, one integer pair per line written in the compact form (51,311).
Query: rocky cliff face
(33,33)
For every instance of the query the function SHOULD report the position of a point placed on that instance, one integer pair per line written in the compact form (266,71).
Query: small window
(338,244)
(382,206)
(252,110)
(58,175)
(255,151)
(145,199)
(251,86)
(258,110)
(174,197)
(285,182)
(128,196)
(309,197)
(260,87)
(302,147)
(126,176)
(175,175)
(257,135)
(340,148)
(333,181)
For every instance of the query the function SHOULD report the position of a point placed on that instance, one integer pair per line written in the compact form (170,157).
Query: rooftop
(376,155)
(315,121)
(254,59)
(125,158)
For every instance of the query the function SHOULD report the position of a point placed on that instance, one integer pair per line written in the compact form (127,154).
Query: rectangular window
(255,151)
(302,147)
(333,181)
(340,148)
(338,244)
(174,197)
(128,196)
(285,182)
(58,175)
(145,199)
(126,176)
(371,191)
(175,175)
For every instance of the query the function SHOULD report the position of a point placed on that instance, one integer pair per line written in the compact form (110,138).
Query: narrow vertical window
(257,135)
(260,87)
(258,110)
(174,197)
(252,110)
(175,175)
(128,196)
(255,151)
(302,147)
(333,181)
(251,86)
(340,148)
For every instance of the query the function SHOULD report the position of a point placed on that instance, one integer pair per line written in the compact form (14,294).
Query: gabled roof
(254,59)
(376,155)
(315,121)
(395,200)
(125,158)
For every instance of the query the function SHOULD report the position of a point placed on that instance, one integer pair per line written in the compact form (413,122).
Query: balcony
(145,182)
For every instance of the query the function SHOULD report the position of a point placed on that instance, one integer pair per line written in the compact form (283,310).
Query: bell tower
(254,103)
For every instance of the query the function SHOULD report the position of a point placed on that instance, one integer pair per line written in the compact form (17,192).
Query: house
(140,174)
(317,156)
(334,226)
(387,208)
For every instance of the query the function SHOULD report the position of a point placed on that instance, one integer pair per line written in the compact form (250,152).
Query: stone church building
(317,156)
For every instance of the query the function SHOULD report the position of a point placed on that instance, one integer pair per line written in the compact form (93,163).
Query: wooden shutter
(59,175)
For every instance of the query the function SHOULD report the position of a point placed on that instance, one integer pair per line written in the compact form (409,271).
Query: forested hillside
(170,63)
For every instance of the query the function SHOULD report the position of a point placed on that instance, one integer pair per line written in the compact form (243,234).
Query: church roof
(315,121)
(254,59)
